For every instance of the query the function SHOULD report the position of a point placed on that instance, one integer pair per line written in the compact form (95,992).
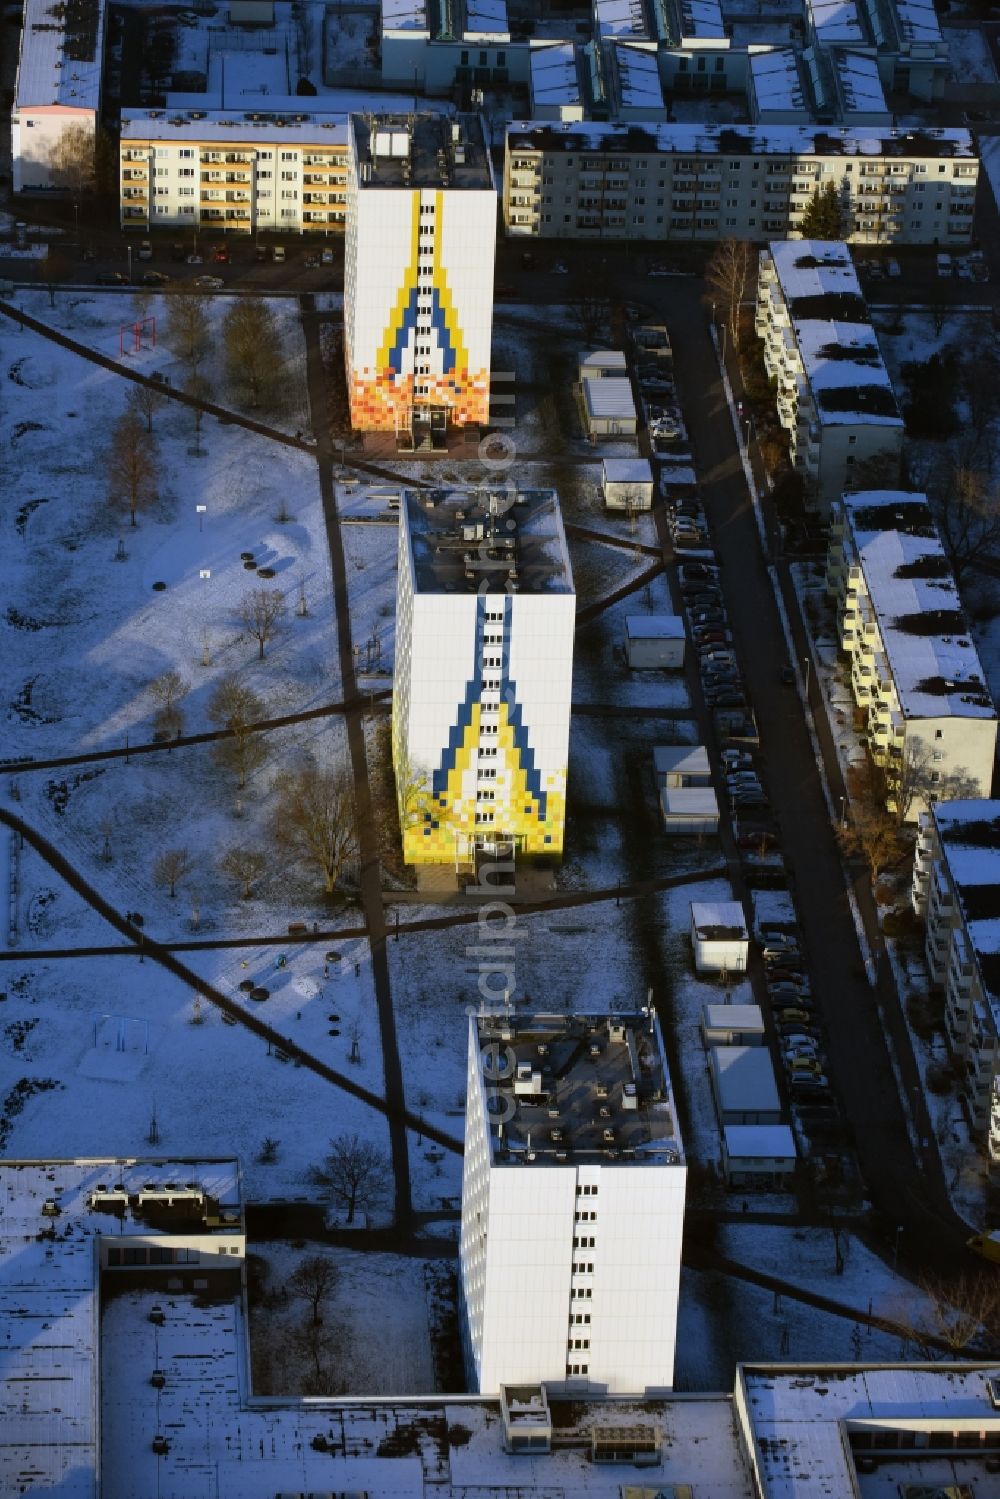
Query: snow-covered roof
(739,140)
(934,662)
(61,55)
(689,801)
(222,125)
(639,85)
(968,833)
(744,1078)
(835,21)
(776,80)
(52,1216)
(798,1417)
(774,1142)
(837,344)
(654,627)
(772,908)
(486,18)
(602,359)
(702,19)
(859,83)
(554,76)
(918,21)
(719,920)
(681,759)
(627,471)
(622,18)
(608,396)
(720,1017)
(404,15)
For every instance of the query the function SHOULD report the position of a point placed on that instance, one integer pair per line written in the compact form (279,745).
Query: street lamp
(807,663)
(843,811)
(128,250)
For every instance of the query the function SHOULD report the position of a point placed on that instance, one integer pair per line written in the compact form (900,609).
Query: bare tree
(314,1281)
(142,303)
(961,1313)
(198,389)
(245,865)
(254,359)
(261,613)
(188,326)
(236,707)
(872,833)
(72,161)
(52,270)
(314,819)
(356,1173)
(167,691)
(968,516)
(319,1346)
(132,465)
(146,401)
(981,388)
(588,307)
(411,793)
(728,275)
(170,867)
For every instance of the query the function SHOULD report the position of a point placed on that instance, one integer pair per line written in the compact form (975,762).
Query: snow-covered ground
(373,1337)
(969,58)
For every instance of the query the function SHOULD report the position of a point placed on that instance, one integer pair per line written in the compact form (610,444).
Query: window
(581,1293)
(288,155)
(483,59)
(501,59)
(185,171)
(575,1343)
(465,59)
(185,153)
(288,176)
(939,733)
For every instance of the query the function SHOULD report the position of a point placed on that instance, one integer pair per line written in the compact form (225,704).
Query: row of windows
(589,1190)
(154,1255)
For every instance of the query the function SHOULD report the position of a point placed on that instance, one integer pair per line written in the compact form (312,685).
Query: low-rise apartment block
(572,1204)
(57,94)
(930,721)
(834,396)
(956,890)
(707,182)
(207,170)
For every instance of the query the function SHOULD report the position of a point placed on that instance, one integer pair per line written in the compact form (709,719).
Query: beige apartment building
(709,182)
(205,170)
(956,892)
(834,395)
(930,721)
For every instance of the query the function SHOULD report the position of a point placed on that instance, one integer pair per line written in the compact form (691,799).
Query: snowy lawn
(85,632)
(969,59)
(373,1337)
(125,1042)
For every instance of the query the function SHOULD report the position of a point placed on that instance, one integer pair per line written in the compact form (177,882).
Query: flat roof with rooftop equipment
(578,1089)
(421,151)
(474,541)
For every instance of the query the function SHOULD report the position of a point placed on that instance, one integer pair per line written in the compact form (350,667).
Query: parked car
(209,283)
(326,256)
(944,265)
(195,259)
(744,801)
(220,254)
(111,278)
(788,676)
(560,268)
(812,1086)
(155,278)
(311,260)
(797,1014)
(178,253)
(145,250)
(689,571)
(792,1035)
(278,254)
(260,253)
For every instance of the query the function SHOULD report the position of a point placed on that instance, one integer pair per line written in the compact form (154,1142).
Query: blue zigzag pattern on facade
(515,716)
(473,693)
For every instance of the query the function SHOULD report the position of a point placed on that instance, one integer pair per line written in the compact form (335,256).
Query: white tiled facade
(956,890)
(687,182)
(828,445)
(570,1271)
(923,690)
(481,707)
(418,273)
(193,171)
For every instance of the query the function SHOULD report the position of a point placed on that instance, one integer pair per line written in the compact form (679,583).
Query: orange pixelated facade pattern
(382,402)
